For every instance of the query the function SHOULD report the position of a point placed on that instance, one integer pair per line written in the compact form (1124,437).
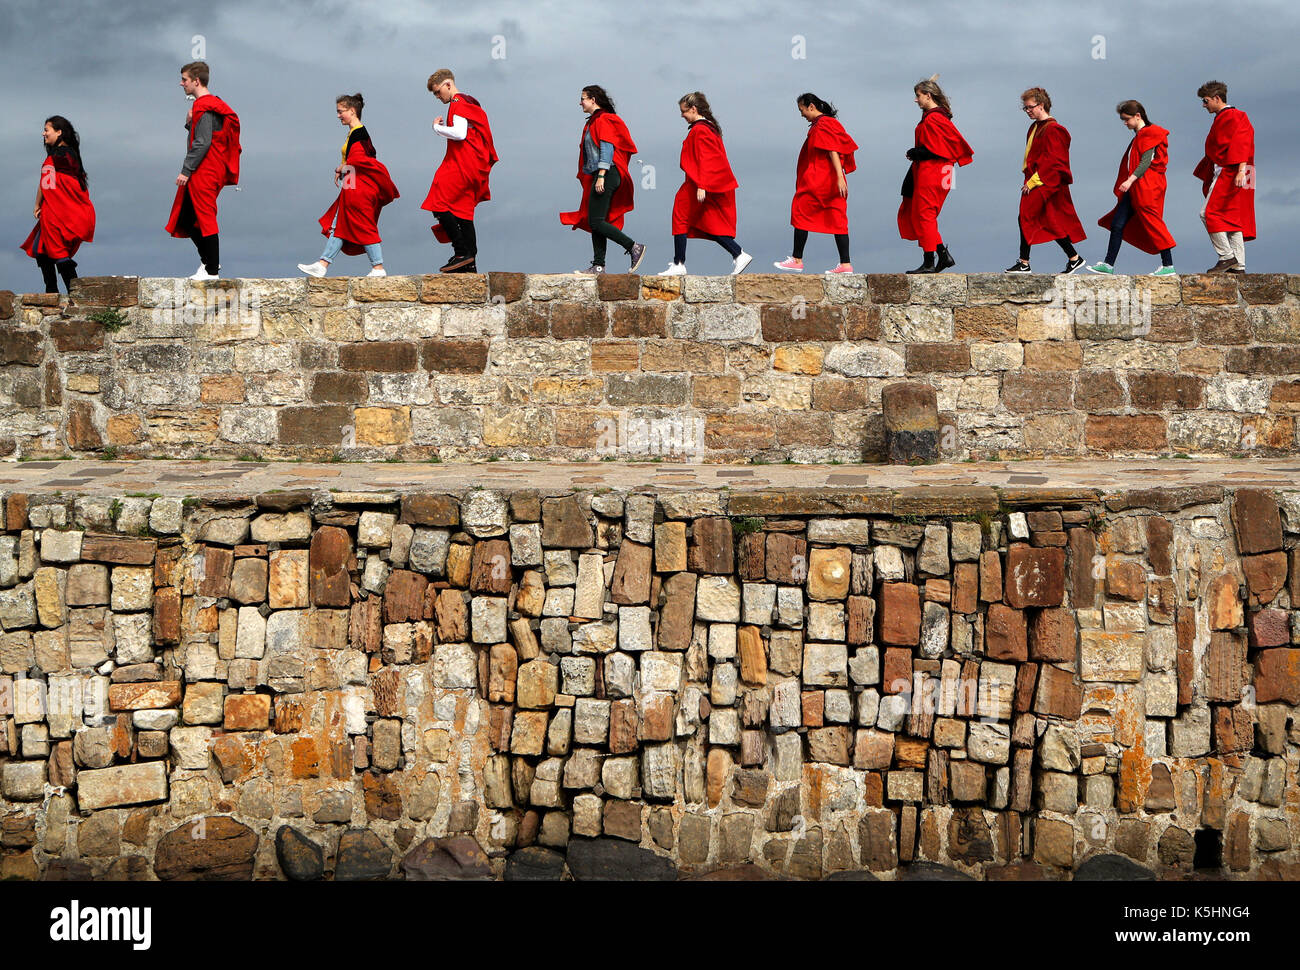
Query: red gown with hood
(605,126)
(67,217)
(929,180)
(704,160)
(461,181)
(1146,228)
(1229,145)
(1047,211)
(817,204)
(219,168)
(366,188)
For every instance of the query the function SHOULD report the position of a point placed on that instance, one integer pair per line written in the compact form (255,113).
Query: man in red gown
(461,181)
(1046,209)
(1227,174)
(211,163)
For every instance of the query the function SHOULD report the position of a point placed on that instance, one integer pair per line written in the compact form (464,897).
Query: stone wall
(649,684)
(468,367)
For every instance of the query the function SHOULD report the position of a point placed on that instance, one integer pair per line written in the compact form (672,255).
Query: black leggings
(1063,242)
(841,244)
(464,241)
(726,242)
(597,213)
(67,268)
(209,247)
(1123,213)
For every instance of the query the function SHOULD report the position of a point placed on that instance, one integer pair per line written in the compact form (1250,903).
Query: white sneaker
(740,262)
(202,274)
(675,269)
(317,268)
(376,271)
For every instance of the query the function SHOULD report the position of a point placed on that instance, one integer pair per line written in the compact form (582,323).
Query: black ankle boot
(927,265)
(945,258)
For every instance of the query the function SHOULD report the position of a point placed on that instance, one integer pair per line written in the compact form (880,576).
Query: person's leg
(1219,240)
(842,246)
(47,274)
(729,244)
(1238,244)
(597,216)
(332,247)
(1024,246)
(469,237)
(451,226)
(1118,221)
(1067,247)
(375,251)
(679,249)
(1167,257)
(800,241)
(68,270)
(210,252)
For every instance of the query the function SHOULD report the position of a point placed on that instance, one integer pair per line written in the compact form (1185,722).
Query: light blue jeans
(334,244)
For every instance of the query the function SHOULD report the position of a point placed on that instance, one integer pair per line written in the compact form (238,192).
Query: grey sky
(113,70)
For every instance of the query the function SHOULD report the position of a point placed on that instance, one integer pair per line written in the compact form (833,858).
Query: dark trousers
(597,217)
(726,242)
(209,247)
(841,244)
(1124,212)
(1063,242)
(66,268)
(464,241)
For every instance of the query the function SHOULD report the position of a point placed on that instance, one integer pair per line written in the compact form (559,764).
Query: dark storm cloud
(112,69)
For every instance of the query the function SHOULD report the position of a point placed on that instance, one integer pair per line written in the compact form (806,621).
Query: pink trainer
(842,268)
(791,264)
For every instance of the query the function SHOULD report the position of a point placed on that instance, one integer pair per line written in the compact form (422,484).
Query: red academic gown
(1229,145)
(929,180)
(605,126)
(817,205)
(704,160)
(1146,228)
(67,218)
(219,168)
(354,216)
(1047,211)
(461,181)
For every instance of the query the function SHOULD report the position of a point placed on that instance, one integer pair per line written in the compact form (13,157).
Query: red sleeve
(937,133)
(704,159)
(829,135)
(1239,143)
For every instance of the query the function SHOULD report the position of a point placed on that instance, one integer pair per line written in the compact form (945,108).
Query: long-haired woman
(938,150)
(1139,216)
(821,191)
(64,215)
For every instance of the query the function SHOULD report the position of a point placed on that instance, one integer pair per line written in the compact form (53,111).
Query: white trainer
(317,268)
(377,271)
(202,274)
(675,269)
(740,262)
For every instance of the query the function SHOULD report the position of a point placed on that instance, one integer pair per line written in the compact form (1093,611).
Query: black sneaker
(470,267)
(457,264)
(636,254)
(1018,267)
(1073,266)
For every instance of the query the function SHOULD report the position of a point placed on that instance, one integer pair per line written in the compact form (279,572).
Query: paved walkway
(206,477)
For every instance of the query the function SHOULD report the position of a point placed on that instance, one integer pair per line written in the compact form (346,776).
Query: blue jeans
(1124,212)
(334,244)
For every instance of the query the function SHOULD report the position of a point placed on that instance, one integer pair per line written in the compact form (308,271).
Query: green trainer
(1102,268)
(1165,271)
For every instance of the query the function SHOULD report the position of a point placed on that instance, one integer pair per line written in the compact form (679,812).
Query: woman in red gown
(938,150)
(352,222)
(821,191)
(64,216)
(1139,216)
(705,205)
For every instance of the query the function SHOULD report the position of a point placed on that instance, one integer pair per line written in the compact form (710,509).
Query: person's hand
(1026,189)
(438,121)
(843,185)
(1240,180)
(599,187)
(36,211)
(182,179)
(699,195)
(911,154)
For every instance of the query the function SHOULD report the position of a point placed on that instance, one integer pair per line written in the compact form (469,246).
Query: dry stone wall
(650,684)
(468,367)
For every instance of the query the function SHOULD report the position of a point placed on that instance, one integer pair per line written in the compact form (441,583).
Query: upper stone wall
(467,367)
